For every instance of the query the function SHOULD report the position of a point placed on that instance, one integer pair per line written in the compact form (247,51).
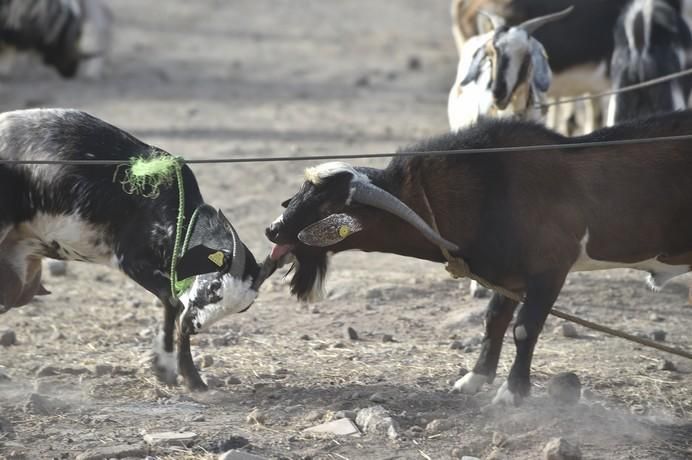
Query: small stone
(666,365)
(101,370)
(233,381)
(256,416)
(340,427)
(456,345)
(205,361)
(349,414)
(119,451)
(560,449)
(168,438)
(565,388)
(304,337)
(8,338)
(387,338)
(198,418)
(656,318)
(414,63)
(659,335)
(240,455)
(438,426)
(378,398)
(376,419)
(57,268)
(319,346)
(568,330)
(362,81)
(229,443)
(46,371)
(339,345)
(351,333)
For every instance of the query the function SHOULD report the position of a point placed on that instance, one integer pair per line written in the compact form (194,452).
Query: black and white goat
(80,212)
(503,72)
(522,221)
(651,40)
(65,33)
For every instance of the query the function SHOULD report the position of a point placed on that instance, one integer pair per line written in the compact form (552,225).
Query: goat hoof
(507,397)
(164,373)
(196,385)
(470,383)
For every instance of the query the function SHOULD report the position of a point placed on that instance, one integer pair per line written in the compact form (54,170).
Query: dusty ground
(249,77)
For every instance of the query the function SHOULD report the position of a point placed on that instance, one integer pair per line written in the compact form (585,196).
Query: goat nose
(272,231)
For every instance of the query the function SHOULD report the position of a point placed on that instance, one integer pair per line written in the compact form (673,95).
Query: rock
(438,426)
(233,381)
(340,427)
(320,346)
(378,398)
(256,416)
(349,414)
(376,419)
(170,438)
(314,415)
(339,345)
(560,449)
(229,443)
(666,365)
(656,318)
(8,338)
(659,335)
(362,82)
(304,337)
(568,330)
(43,405)
(205,361)
(565,388)
(456,345)
(100,370)
(198,419)
(46,371)
(350,333)
(119,451)
(414,63)
(57,268)
(239,455)
(387,338)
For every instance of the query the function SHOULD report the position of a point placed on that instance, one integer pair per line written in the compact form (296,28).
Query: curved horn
(238,263)
(534,24)
(366,193)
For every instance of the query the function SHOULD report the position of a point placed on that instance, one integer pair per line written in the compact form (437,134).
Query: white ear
(330,230)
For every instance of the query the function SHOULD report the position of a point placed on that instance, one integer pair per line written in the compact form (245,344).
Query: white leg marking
(505,396)
(520,333)
(478,291)
(470,383)
(165,360)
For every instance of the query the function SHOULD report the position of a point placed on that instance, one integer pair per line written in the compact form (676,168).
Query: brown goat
(521,220)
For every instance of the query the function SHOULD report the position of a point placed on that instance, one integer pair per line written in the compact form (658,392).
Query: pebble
(8,338)
(304,337)
(46,371)
(229,443)
(376,419)
(339,345)
(362,81)
(656,318)
(560,449)
(198,418)
(666,365)
(569,330)
(456,345)
(414,63)
(119,451)
(239,455)
(57,268)
(233,381)
(565,388)
(659,335)
(387,338)
(438,426)
(378,398)
(319,346)
(351,333)
(340,427)
(167,438)
(256,416)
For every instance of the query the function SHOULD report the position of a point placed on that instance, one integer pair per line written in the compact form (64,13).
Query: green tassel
(146,176)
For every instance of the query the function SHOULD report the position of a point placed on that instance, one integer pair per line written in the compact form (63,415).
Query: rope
(624,89)
(432,153)
(459,268)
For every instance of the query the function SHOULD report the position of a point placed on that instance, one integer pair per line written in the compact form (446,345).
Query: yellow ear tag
(344,231)
(217,258)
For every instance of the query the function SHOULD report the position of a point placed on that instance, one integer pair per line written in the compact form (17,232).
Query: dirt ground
(212,78)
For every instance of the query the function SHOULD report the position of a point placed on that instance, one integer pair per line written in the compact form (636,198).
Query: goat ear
(201,260)
(475,67)
(488,22)
(286,203)
(330,230)
(542,75)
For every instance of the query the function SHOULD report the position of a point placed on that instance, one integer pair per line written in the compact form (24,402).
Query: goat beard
(309,272)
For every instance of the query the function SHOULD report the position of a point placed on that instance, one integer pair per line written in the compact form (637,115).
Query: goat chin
(309,273)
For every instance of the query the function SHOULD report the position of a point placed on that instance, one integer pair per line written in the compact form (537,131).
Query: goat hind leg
(498,315)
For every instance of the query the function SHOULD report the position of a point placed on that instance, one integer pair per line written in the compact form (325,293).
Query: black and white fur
(82,213)
(651,40)
(64,33)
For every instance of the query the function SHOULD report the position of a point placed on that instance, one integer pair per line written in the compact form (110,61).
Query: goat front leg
(188,371)
(541,293)
(498,315)
(164,363)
